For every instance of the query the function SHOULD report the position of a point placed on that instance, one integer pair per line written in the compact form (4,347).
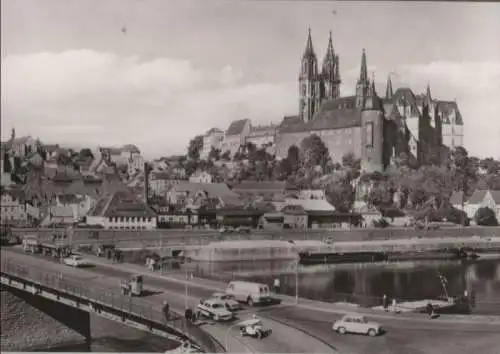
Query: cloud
(86,98)
(83,98)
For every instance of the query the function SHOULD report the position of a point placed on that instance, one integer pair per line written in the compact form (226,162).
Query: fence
(138,310)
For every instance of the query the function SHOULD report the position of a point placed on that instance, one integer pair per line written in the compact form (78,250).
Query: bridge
(134,312)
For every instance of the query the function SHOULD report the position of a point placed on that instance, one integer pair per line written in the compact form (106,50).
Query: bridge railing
(135,308)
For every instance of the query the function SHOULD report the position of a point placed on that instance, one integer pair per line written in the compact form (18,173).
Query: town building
(265,189)
(122,211)
(22,146)
(200,177)
(212,139)
(79,204)
(378,129)
(5,169)
(479,199)
(196,195)
(16,210)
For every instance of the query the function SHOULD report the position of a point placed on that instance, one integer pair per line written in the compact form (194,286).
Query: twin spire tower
(316,87)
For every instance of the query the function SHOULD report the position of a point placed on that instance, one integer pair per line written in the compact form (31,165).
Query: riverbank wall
(193,237)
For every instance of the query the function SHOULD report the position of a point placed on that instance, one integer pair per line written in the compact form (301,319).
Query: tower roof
(330,54)
(388,92)
(309,51)
(428,96)
(363,75)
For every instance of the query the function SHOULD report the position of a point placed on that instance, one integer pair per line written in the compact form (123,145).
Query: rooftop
(236,127)
(262,186)
(121,204)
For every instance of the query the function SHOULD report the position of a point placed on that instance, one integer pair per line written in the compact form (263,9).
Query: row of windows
(129,219)
(133,227)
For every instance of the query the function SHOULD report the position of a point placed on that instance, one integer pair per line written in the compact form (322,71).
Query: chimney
(146,183)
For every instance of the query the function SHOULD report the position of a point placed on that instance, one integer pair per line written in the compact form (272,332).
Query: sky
(155,73)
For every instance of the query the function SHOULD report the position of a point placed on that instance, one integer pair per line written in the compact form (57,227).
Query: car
(75,261)
(355,323)
(229,300)
(214,309)
(254,328)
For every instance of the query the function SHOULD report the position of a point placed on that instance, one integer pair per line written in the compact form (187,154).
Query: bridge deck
(83,294)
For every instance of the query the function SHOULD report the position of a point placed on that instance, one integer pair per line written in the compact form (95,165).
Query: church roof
(292,124)
(236,127)
(336,119)
(339,103)
(446,108)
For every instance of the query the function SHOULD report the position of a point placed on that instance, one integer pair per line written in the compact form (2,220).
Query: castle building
(377,129)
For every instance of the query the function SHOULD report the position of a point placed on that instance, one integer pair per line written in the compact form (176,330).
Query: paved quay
(212,286)
(283,340)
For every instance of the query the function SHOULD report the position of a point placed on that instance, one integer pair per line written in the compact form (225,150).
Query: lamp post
(297,262)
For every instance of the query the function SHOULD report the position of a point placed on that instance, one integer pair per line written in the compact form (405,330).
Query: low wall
(169,236)
(31,322)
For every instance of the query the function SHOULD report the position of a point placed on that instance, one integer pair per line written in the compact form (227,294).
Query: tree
(340,193)
(214,154)
(226,156)
(351,165)
(195,147)
(313,152)
(85,153)
(485,217)
(293,157)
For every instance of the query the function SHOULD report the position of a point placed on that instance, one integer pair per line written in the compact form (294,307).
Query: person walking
(385,303)
(166,310)
(430,310)
(276,285)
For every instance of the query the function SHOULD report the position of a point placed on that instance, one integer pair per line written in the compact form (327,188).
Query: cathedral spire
(388,91)
(371,87)
(363,75)
(428,96)
(330,55)
(309,51)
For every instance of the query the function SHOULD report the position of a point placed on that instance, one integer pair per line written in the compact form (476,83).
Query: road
(285,339)
(405,337)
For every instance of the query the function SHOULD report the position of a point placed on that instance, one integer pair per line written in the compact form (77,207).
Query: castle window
(369,134)
(304,89)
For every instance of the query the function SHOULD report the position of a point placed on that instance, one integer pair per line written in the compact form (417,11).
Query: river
(366,283)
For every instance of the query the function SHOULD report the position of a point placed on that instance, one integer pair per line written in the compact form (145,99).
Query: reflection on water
(366,283)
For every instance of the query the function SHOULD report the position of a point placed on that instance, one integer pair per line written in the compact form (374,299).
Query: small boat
(312,258)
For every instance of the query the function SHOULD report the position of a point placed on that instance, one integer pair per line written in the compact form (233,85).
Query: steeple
(428,96)
(388,91)
(13,133)
(309,51)
(372,101)
(309,82)
(337,70)
(363,82)
(363,75)
(330,54)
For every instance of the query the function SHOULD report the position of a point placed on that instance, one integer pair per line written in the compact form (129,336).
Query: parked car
(249,292)
(75,261)
(228,300)
(215,310)
(355,323)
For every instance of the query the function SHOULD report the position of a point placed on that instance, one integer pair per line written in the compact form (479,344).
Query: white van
(249,292)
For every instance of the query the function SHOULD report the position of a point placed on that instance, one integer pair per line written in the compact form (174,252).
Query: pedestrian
(394,305)
(166,310)
(188,314)
(147,262)
(385,303)
(108,254)
(276,285)
(430,310)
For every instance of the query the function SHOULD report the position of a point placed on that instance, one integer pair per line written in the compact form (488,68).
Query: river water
(110,336)
(366,283)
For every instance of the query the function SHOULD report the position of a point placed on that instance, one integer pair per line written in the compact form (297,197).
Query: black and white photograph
(250,176)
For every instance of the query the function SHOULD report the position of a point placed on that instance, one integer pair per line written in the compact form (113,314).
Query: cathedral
(376,128)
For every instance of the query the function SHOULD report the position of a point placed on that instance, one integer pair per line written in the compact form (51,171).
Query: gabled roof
(292,124)
(477,197)
(495,194)
(121,204)
(348,102)
(213,131)
(265,186)
(212,189)
(446,108)
(406,95)
(236,127)
(311,204)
